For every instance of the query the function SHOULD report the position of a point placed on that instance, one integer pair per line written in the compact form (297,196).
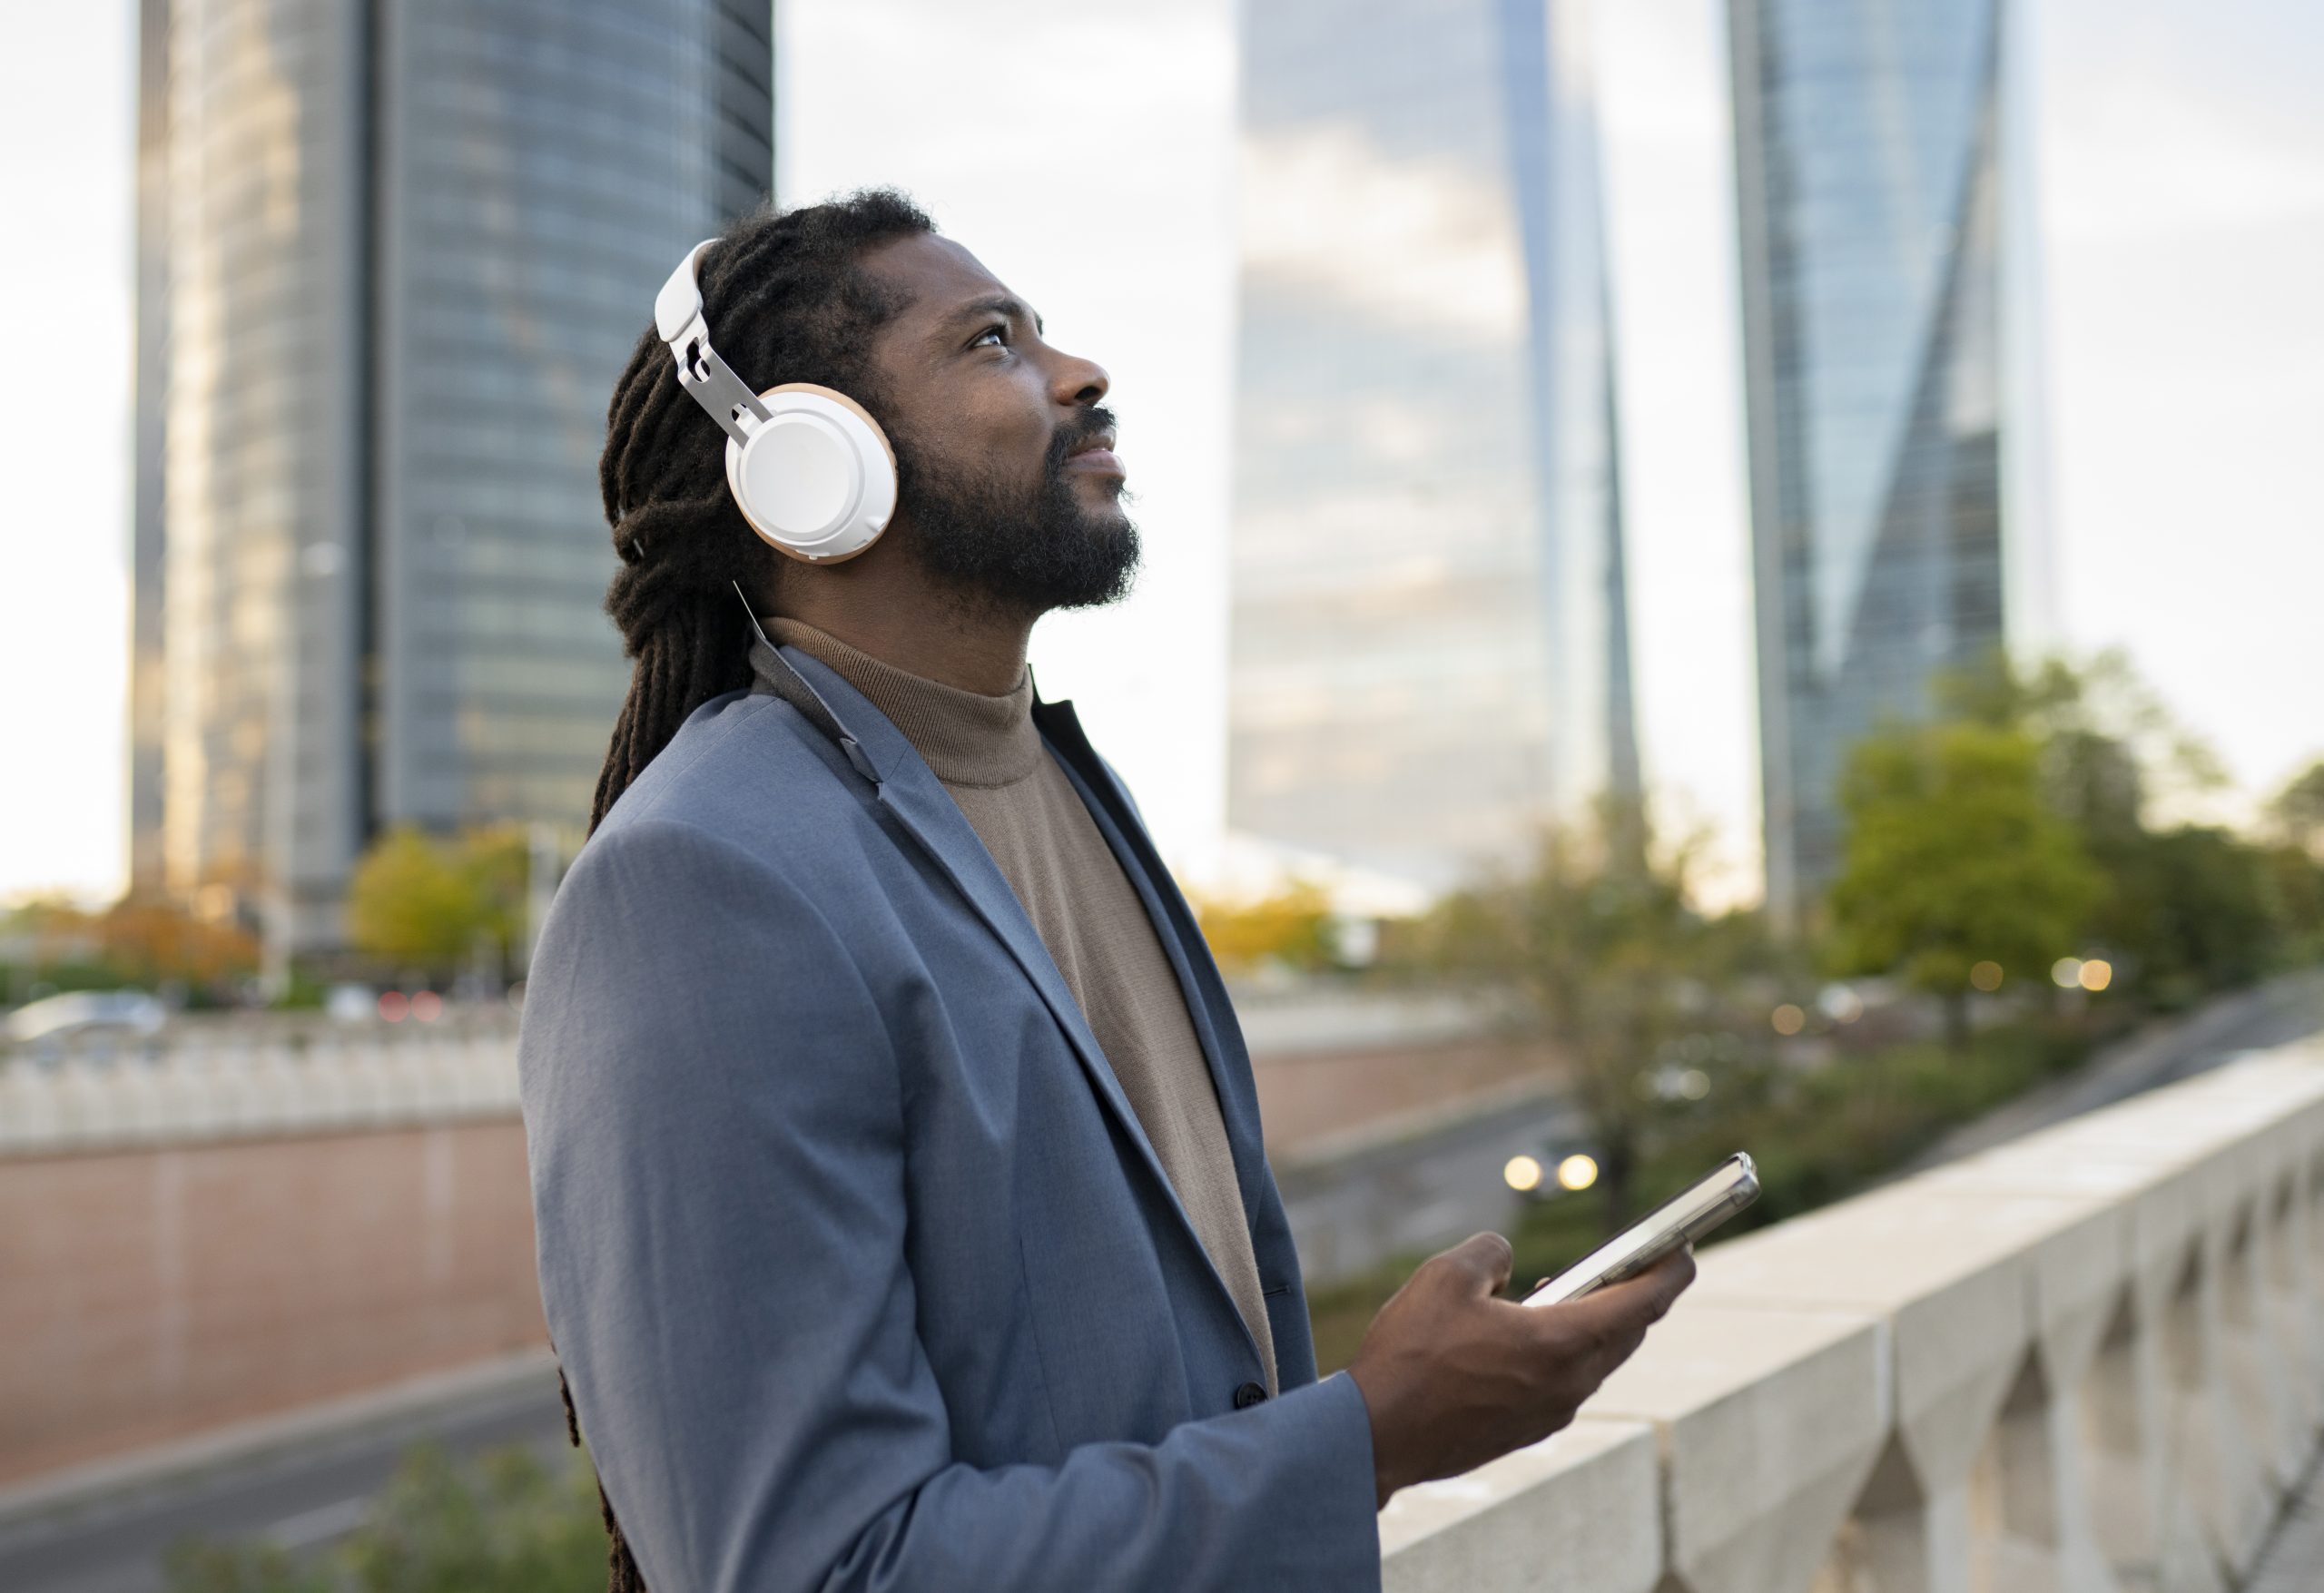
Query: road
(2286,1008)
(302,1497)
(1418,1183)
(1400,1192)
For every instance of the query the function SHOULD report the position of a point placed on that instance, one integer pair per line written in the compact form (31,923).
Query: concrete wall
(258,1214)
(154,1294)
(2091,1360)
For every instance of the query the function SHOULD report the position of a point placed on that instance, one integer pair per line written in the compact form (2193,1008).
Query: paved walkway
(2294,1561)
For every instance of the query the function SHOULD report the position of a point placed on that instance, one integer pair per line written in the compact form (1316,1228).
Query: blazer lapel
(911,793)
(1205,996)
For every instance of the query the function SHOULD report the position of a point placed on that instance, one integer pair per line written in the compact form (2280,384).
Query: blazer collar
(910,792)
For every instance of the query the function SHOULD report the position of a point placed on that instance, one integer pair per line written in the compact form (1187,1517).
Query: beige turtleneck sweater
(989,756)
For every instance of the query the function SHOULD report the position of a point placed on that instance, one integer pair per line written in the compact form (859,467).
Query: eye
(998,334)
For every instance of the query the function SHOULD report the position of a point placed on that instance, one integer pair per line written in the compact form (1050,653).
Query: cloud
(1427,244)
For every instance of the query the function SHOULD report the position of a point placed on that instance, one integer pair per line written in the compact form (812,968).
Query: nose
(1080,382)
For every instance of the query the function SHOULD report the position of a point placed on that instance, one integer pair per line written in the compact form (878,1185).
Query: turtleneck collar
(964,737)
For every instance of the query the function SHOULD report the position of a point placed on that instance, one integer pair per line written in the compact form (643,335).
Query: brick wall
(154,1294)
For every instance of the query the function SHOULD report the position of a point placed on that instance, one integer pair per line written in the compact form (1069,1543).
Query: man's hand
(1455,1377)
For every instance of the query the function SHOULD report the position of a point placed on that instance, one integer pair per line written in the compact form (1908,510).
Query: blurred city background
(1720,572)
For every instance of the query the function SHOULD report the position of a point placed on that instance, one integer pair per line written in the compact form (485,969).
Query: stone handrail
(230,1086)
(2090,1361)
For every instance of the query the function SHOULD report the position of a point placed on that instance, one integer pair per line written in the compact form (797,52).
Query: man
(903,1220)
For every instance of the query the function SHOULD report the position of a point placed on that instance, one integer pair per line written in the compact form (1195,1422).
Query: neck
(895,614)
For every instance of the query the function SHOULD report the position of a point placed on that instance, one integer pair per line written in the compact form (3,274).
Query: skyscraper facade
(1429,634)
(401,251)
(1891,384)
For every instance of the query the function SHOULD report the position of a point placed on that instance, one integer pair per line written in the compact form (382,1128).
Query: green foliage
(2187,909)
(503,1524)
(2182,909)
(1818,1137)
(2045,813)
(2192,906)
(1955,857)
(2298,809)
(1602,952)
(411,904)
(419,902)
(2296,889)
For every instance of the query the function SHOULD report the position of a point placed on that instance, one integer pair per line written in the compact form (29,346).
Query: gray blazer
(863,1273)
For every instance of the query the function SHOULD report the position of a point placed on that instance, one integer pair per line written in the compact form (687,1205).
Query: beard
(1023,553)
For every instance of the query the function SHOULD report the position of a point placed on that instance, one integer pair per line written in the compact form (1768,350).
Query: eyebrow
(993,304)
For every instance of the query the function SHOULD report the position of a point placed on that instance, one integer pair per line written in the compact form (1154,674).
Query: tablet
(1733,1184)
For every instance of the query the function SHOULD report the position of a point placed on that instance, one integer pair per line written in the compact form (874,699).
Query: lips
(1095,453)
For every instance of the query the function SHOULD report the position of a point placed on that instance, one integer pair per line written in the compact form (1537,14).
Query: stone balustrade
(229,1085)
(2090,1361)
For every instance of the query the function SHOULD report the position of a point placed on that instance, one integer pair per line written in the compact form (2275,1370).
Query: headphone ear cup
(817,479)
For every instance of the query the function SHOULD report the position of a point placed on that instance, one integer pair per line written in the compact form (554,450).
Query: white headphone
(810,471)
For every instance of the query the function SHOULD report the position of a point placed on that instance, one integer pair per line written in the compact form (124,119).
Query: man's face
(1009,486)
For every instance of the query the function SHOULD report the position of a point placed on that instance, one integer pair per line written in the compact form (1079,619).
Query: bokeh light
(1788,1019)
(1522,1174)
(393,1005)
(2096,974)
(2066,972)
(1840,1004)
(1578,1171)
(1986,976)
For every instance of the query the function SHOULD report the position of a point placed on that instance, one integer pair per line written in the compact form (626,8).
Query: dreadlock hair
(786,302)
(784,293)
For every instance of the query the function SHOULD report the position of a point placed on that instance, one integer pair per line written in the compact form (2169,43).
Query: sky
(1088,155)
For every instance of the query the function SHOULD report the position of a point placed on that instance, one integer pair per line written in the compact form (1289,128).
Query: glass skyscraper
(1887,274)
(393,255)
(1429,640)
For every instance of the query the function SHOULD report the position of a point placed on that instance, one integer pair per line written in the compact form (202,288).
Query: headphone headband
(678,321)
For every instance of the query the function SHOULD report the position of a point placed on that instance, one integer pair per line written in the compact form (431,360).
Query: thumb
(1484,1259)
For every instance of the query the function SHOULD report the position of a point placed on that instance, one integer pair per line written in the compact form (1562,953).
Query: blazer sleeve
(714,1112)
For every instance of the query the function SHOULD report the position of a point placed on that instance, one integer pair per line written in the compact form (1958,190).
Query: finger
(1651,1294)
(1484,1259)
(1640,1301)
(1671,1276)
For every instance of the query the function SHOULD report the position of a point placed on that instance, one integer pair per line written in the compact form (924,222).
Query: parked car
(82,1012)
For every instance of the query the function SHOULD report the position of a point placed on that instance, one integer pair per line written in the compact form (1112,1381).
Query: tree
(2195,907)
(413,902)
(152,942)
(2183,908)
(1954,858)
(1602,952)
(419,902)
(2298,809)
(498,860)
(1290,927)
(2296,888)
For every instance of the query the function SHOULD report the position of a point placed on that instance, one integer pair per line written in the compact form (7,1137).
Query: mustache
(1090,423)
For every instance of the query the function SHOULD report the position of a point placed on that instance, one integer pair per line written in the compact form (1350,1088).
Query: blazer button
(1248,1395)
